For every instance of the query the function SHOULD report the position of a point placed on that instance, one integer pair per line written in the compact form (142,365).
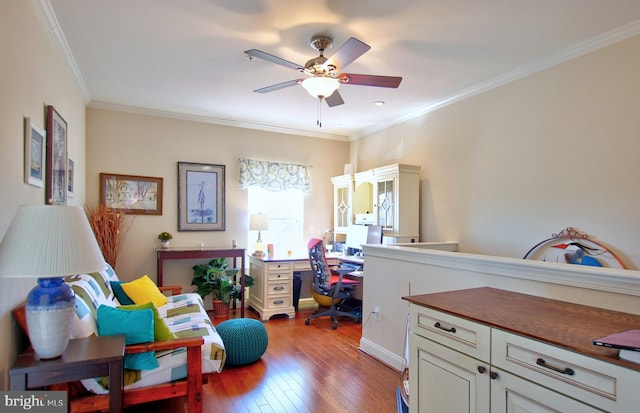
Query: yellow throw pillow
(144,290)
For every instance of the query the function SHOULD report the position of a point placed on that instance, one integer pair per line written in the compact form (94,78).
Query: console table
(178,253)
(83,359)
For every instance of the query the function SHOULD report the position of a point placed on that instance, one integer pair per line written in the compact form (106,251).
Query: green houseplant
(164,238)
(216,279)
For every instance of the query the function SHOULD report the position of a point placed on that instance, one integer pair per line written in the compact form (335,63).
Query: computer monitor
(374,234)
(359,235)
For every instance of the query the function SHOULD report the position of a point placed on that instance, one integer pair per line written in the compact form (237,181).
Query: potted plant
(216,280)
(164,238)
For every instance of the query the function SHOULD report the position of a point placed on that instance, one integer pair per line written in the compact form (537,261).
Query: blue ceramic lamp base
(50,307)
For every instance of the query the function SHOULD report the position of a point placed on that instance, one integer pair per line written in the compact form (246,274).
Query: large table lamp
(258,222)
(49,242)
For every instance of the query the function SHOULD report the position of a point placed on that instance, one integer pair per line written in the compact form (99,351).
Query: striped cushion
(185,316)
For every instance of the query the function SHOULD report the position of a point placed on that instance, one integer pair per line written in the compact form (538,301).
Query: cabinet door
(385,203)
(342,204)
(444,380)
(512,394)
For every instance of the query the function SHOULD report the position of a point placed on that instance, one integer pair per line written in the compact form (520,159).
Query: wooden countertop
(568,325)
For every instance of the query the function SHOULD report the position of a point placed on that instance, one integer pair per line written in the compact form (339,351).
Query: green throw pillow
(160,329)
(137,326)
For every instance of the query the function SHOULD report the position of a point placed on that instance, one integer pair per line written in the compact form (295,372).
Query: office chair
(329,284)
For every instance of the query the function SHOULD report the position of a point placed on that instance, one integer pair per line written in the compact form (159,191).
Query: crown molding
(54,30)
(212,120)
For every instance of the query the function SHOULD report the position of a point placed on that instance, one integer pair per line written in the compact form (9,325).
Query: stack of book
(627,341)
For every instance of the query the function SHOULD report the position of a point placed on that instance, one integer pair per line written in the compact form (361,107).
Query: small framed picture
(71,169)
(56,180)
(201,191)
(34,150)
(138,195)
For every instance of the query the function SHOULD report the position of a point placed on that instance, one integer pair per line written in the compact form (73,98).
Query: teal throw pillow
(137,326)
(141,361)
(160,329)
(122,297)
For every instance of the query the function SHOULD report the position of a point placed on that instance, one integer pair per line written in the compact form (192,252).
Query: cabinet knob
(278,302)
(493,375)
(482,369)
(278,288)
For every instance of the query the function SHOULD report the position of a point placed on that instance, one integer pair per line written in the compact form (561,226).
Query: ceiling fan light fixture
(320,86)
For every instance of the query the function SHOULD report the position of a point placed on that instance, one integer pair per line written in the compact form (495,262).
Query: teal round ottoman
(245,340)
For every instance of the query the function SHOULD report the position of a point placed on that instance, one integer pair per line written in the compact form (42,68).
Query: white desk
(272,291)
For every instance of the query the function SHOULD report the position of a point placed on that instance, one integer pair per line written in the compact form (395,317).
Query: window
(285,210)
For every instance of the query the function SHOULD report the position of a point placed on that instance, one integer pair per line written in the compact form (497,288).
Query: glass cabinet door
(342,207)
(385,204)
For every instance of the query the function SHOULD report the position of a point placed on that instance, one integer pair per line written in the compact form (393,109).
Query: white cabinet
(386,196)
(272,291)
(460,365)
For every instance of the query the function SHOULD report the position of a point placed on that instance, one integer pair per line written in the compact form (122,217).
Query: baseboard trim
(381,354)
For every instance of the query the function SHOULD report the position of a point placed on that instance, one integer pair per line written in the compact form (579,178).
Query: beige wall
(135,144)
(509,167)
(32,75)
(500,171)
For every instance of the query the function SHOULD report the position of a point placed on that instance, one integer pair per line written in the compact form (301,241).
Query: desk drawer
(301,265)
(279,288)
(281,301)
(584,378)
(466,336)
(279,266)
(278,276)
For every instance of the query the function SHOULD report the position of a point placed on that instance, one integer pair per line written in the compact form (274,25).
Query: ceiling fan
(326,73)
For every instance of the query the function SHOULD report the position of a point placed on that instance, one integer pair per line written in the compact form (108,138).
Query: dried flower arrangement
(109,227)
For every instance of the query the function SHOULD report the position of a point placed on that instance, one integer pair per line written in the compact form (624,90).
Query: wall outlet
(376,312)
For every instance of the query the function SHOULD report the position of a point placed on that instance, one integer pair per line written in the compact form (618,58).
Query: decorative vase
(165,244)
(220,309)
(50,307)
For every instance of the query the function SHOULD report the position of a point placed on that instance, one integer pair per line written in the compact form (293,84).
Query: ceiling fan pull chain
(319,114)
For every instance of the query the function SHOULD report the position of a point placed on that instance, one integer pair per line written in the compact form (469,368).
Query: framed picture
(139,195)
(71,170)
(34,149)
(56,179)
(201,197)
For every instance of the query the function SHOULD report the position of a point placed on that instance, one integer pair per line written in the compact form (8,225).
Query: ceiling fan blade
(347,53)
(253,53)
(278,86)
(370,80)
(334,100)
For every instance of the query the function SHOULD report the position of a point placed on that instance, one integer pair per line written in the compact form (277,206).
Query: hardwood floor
(305,369)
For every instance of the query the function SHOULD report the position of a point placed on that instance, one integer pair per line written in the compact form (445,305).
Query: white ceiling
(185,57)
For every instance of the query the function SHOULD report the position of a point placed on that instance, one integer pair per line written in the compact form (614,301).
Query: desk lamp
(258,222)
(49,242)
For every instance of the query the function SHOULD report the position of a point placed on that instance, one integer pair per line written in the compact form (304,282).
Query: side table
(83,359)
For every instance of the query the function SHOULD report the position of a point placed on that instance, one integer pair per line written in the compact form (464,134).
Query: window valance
(274,176)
